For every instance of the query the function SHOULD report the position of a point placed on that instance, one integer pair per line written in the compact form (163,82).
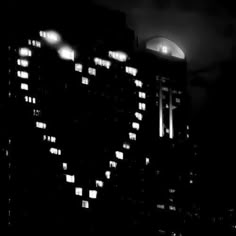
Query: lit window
(165,89)
(161,206)
(93,194)
(41,125)
(147,161)
(38,44)
(23,74)
(119,56)
(171,190)
(26,98)
(24,87)
(44,137)
(66,53)
(55,151)
(64,166)
(33,100)
(112,164)
(108,174)
(92,71)
(85,80)
(142,106)
(142,95)
(85,204)
(22,62)
(135,125)
(51,37)
(191,181)
(138,115)
(138,83)
(177,100)
(70,178)
(53,139)
(164,49)
(131,70)
(29,42)
(126,146)
(132,136)
(119,155)
(101,62)
(25,52)
(172,208)
(99,183)
(7,153)
(36,112)
(79,191)
(78,67)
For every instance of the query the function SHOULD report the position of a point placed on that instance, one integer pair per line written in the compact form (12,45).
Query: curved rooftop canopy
(165,46)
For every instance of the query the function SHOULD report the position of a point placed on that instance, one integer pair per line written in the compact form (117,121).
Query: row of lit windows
(34,43)
(163,207)
(30,99)
(55,151)
(92,193)
(49,138)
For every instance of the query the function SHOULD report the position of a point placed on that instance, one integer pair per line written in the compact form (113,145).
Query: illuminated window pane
(108,174)
(66,53)
(93,194)
(131,70)
(147,160)
(44,137)
(25,52)
(53,139)
(142,106)
(126,146)
(41,125)
(42,34)
(70,178)
(26,98)
(172,208)
(55,151)
(119,56)
(64,166)
(101,62)
(85,204)
(142,95)
(92,71)
(85,80)
(139,116)
(24,87)
(79,191)
(34,100)
(171,190)
(99,183)
(119,155)
(112,164)
(36,112)
(51,37)
(138,83)
(23,74)
(22,62)
(78,67)
(135,125)
(7,153)
(161,206)
(177,100)
(132,136)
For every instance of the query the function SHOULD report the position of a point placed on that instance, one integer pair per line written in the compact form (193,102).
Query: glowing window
(26,98)
(55,151)
(177,100)
(118,55)
(138,83)
(142,95)
(22,62)
(191,181)
(7,153)
(172,208)
(119,155)
(78,191)
(23,74)
(99,183)
(70,178)
(92,71)
(147,161)
(142,106)
(85,204)
(25,52)
(51,37)
(64,166)
(161,206)
(93,194)
(85,81)
(126,146)
(108,174)
(53,139)
(33,100)
(36,112)
(24,86)
(112,164)
(78,67)
(135,125)
(131,70)
(139,116)
(66,53)
(101,62)
(171,190)
(41,125)
(132,136)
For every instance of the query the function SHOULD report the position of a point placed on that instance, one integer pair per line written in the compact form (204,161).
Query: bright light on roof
(51,37)
(118,56)
(165,46)
(66,53)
